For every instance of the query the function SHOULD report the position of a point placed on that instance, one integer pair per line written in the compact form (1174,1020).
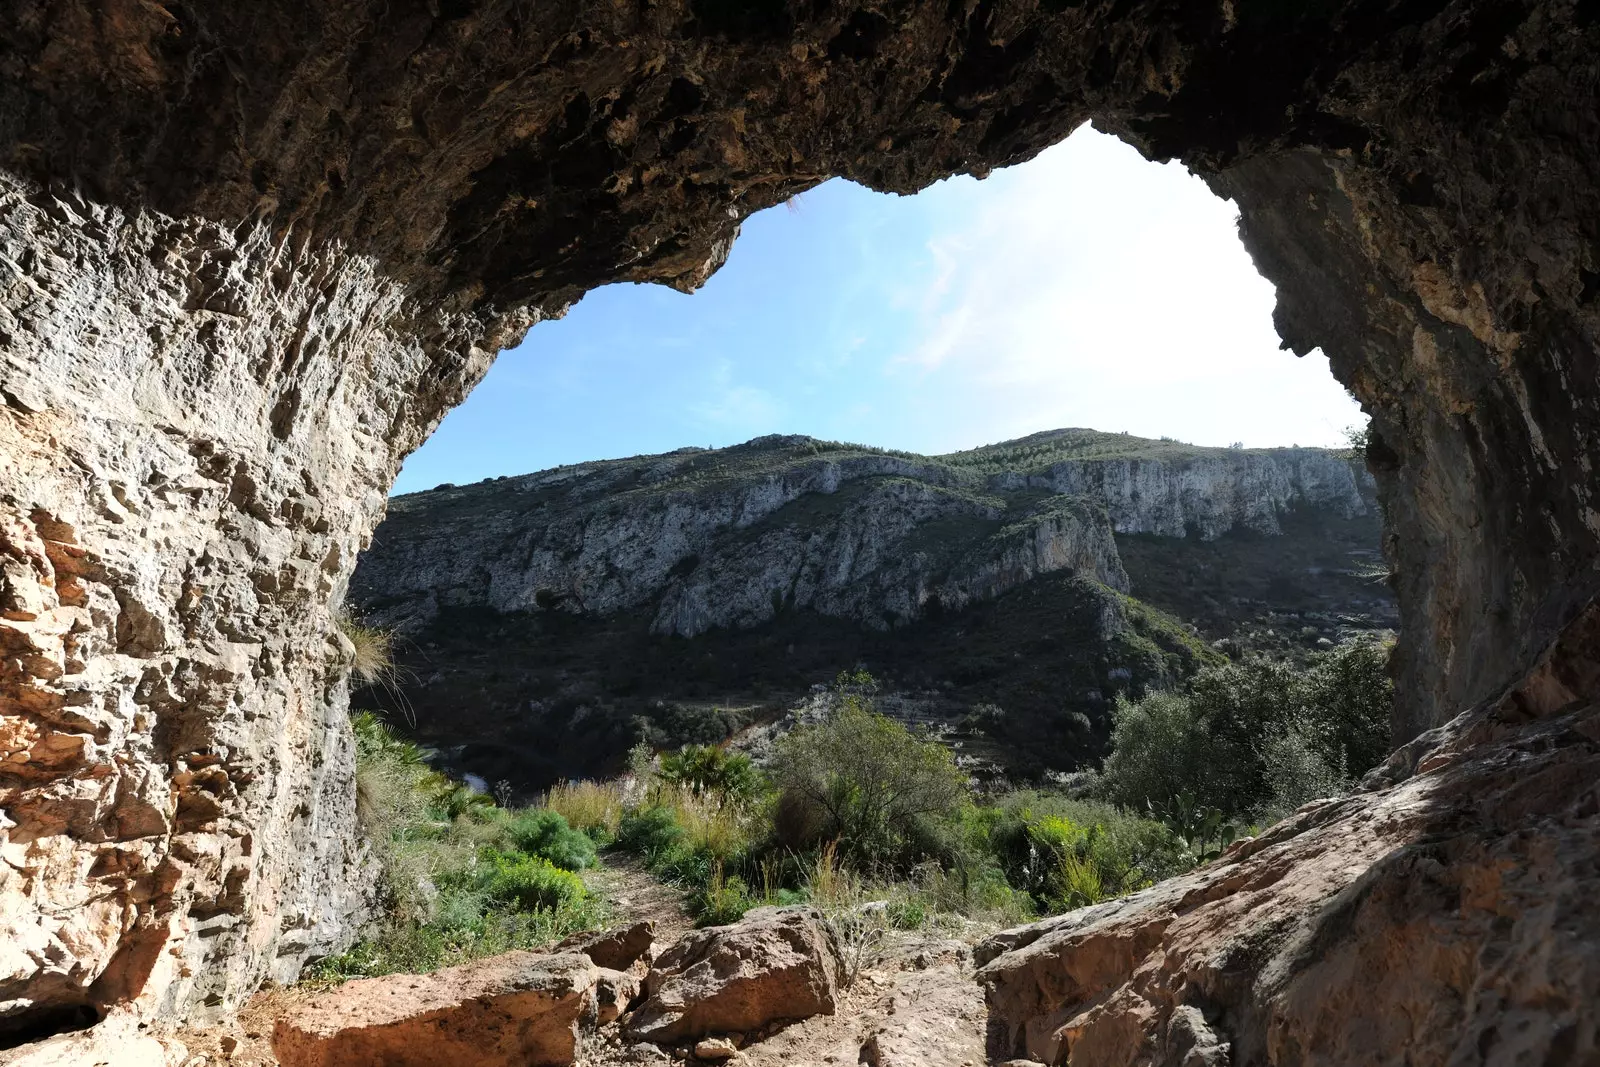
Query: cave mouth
(1086,287)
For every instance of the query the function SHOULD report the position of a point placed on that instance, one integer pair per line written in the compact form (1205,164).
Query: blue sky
(1087,287)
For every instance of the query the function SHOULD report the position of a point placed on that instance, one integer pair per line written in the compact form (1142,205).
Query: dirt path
(636,894)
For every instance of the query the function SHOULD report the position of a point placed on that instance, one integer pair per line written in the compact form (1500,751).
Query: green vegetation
(1253,739)
(705,770)
(458,876)
(1042,450)
(871,821)
(865,782)
(858,810)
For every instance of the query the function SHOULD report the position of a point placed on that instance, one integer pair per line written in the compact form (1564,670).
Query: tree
(865,781)
(1254,737)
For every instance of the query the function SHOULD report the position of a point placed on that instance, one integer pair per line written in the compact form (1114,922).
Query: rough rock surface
(731,537)
(523,1009)
(115,1042)
(249,253)
(621,949)
(775,964)
(1444,915)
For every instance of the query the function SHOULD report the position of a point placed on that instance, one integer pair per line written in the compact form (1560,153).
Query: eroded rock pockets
(250,254)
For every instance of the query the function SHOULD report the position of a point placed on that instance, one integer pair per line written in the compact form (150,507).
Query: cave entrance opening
(1087,287)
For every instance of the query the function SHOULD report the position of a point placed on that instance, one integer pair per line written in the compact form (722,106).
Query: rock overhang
(312,225)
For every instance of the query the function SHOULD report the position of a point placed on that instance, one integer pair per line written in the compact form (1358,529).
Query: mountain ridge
(731,537)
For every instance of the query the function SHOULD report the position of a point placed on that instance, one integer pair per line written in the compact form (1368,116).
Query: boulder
(715,1049)
(618,949)
(522,1009)
(776,964)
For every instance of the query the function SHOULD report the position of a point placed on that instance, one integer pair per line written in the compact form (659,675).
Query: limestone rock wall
(199,428)
(1210,494)
(890,551)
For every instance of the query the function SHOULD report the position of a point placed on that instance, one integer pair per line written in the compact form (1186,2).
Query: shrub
(529,883)
(1253,736)
(542,832)
(649,830)
(1067,853)
(1352,700)
(706,770)
(1298,772)
(867,782)
(723,900)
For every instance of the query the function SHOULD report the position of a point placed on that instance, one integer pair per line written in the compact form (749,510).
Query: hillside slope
(730,538)
(552,620)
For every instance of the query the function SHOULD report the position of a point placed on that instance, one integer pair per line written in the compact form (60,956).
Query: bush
(529,883)
(544,833)
(706,770)
(723,900)
(649,831)
(865,781)
(1352,699)
(1253,737)
(1067,853)
(1298,772)
(1160,749)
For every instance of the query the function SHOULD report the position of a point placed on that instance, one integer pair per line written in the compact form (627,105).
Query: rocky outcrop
(625,948)
(775,964)
(522,1009)
(732,537)
(249,254)
(1206,492)
(177,775)
(1441,915)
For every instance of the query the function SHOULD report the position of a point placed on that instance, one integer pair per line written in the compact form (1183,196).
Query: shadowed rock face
(250,253)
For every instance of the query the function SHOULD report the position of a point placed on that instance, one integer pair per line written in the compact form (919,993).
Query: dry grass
(860,923)
(373,659)
(709,826)
(588,806)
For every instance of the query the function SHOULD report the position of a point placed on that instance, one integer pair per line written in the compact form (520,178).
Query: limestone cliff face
(1206,494)
(249,253)
(731,537)
(200,425)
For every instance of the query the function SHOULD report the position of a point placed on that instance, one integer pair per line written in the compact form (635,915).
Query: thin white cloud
(734,406)
(1091,287)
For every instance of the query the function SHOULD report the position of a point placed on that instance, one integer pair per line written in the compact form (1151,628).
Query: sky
(1087,287)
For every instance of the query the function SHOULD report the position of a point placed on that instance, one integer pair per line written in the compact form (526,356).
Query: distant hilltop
(706,538)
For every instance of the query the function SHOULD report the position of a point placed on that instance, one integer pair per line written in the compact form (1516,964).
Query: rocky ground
(914,1002)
